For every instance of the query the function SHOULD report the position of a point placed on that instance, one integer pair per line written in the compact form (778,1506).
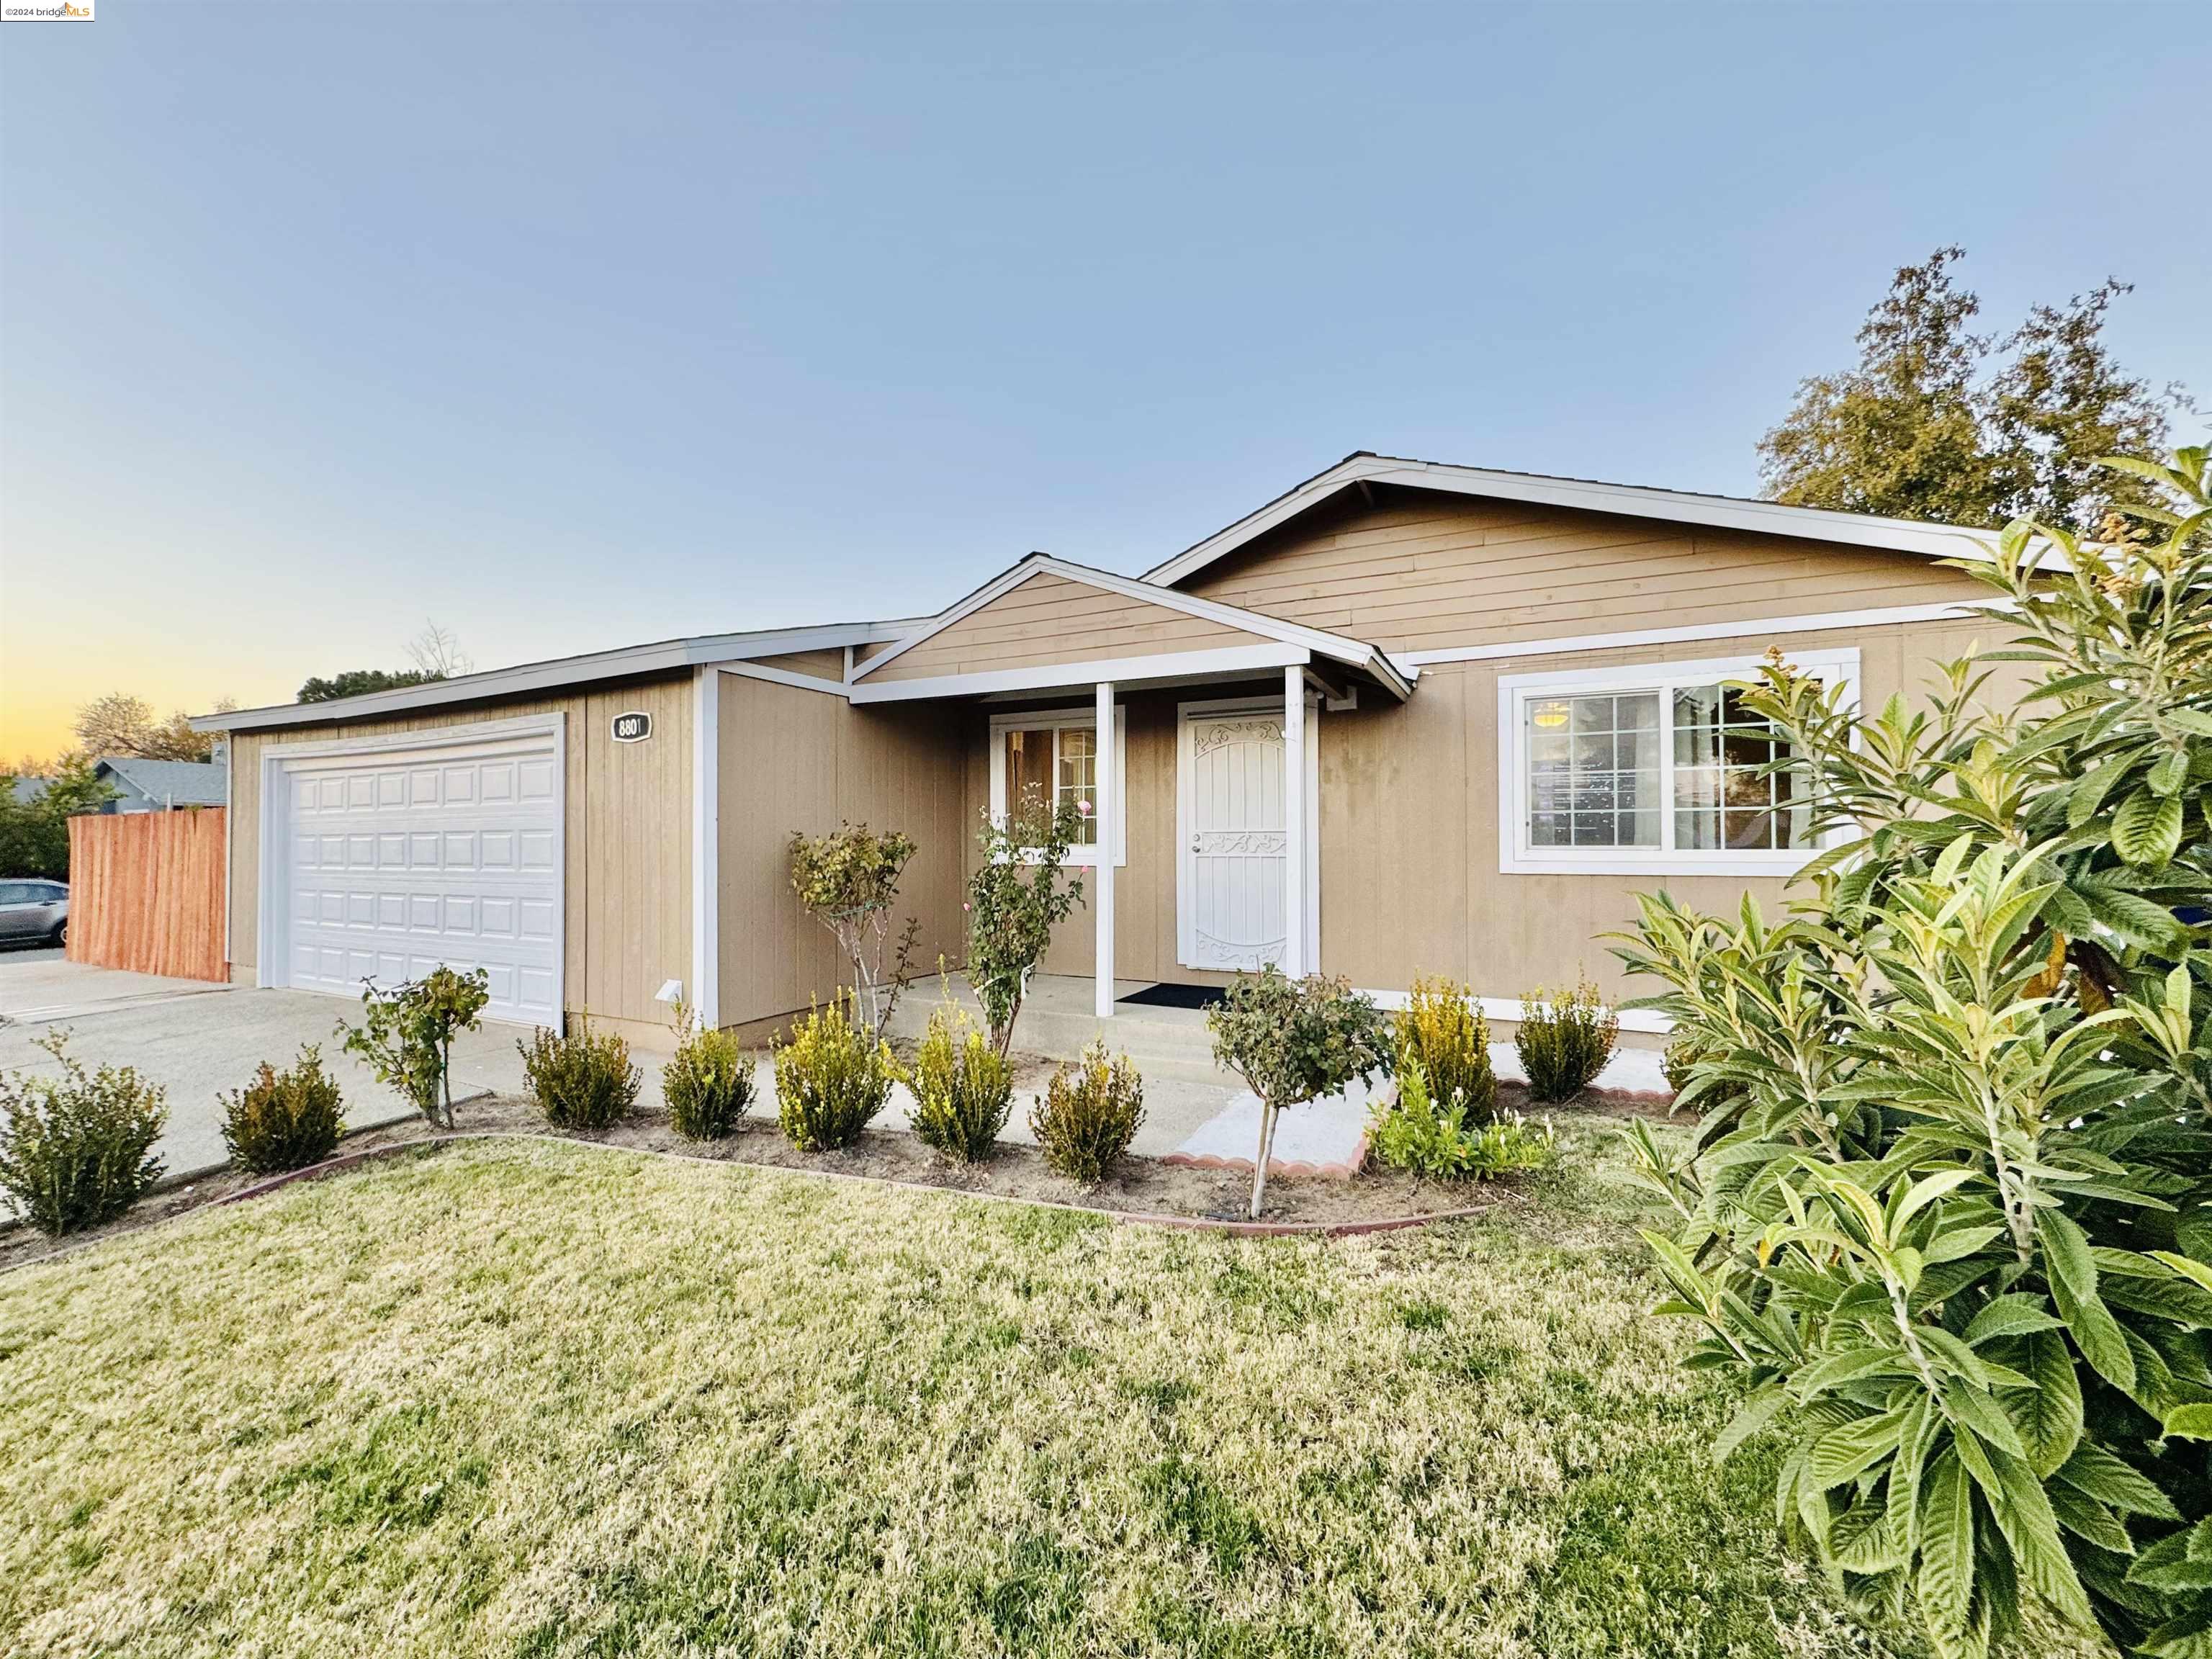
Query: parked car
(33,913)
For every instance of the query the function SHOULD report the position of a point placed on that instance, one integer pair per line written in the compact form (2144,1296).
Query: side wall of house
(627,841)
(1410,826)
(791,759)
(1410,823)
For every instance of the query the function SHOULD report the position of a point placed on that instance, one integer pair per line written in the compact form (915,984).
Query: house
(1405,718)
(159,785)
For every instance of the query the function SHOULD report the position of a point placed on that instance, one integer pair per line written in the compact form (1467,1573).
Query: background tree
(437,653)
(354,681)
(120,724)
(1941,422)
(34,833)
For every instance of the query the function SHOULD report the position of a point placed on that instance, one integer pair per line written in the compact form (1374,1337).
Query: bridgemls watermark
(46,11)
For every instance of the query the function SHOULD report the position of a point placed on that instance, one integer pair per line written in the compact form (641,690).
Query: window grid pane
(1721,800)
(1078,779)
(1593,770)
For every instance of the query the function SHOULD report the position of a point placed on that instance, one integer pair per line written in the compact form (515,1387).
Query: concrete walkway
(197,1042)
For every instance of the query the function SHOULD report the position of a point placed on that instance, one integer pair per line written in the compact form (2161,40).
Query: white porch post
(1296,831)
(1109,815)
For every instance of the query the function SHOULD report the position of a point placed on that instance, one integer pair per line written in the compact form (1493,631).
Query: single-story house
(1406,718)
(160,786)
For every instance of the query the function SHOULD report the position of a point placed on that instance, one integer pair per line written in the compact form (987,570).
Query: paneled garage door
(400,860)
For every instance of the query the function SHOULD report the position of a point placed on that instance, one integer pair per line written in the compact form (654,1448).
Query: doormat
(1175,996)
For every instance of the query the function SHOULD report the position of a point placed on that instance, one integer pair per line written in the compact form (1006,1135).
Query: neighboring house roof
(27,790)
(1337,647)
(1632,500)
(659,656)
(172,783)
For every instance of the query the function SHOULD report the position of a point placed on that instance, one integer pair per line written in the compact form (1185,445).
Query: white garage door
(404,860)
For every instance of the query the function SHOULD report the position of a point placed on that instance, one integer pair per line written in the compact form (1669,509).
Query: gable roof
(1632,500)
(173,783)
(1337,647)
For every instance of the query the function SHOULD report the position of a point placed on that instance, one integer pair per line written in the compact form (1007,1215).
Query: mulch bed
(1143,1188)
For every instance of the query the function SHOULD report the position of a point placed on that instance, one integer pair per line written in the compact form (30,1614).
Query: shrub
(1679,1066)
(1293,1041)
(1443,1030)
(1019,893)
(1565,1042)
(1089,1114)
(76,1150)
(1953,1232)
(580,1081)
(284,1120)
(963,1088)
(847,880)
(831,1080)
(1414,1134)
(707,1083)
(406,1034)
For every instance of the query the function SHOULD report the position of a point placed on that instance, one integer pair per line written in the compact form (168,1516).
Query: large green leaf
(1945,1586)
(2146,829)
(2049,1415)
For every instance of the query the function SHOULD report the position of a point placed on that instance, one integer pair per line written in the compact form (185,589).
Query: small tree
(1015,899)
(1949,1216)
(34,833)
(848,880)
(1293,1041)
(406,1034)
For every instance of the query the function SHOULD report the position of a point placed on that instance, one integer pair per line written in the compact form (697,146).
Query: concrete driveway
(198,1041)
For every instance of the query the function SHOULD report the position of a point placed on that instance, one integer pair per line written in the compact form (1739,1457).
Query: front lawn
(537,1398)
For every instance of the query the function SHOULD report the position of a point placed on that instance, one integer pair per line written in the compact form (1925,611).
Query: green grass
(543,1399)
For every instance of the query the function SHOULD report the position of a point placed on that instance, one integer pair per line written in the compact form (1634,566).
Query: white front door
(1230,910)
(399,861)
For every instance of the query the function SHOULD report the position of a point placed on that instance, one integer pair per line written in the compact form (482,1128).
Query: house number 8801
(633,728)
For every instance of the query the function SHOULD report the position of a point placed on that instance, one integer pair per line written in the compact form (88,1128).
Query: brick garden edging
(346,1161)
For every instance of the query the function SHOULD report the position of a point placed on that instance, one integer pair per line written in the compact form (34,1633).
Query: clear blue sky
(574,327)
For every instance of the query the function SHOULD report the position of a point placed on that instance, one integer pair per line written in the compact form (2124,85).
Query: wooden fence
(146,892)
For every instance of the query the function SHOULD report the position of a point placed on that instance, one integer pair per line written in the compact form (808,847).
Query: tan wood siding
(794,759)
(1410,823)
(1050,619)
(626,835)
(824,665)
(1422,571)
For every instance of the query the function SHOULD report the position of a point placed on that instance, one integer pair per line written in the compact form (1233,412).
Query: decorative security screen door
(1229,913)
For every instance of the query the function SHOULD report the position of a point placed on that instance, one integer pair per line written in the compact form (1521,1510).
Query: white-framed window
(1649,770)
(1055,751)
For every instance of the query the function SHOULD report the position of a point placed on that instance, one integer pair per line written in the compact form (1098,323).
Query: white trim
(1296,837)
(276,760)
(1336,647)
(1648,1020)
(1634,500)
(1052,719)
(1516,691)
(230,844)
(666,656)
(1124,671)
(1994,607)
(755,670)
(1110,816)
(1317,700)
(706,846)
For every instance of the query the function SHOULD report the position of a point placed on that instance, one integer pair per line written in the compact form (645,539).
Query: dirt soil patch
(1143,1186)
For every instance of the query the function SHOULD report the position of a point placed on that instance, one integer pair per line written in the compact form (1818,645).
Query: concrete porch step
(1058,1019)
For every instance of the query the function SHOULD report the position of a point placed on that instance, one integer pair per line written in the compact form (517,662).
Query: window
(1649,770)
(1054,754)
